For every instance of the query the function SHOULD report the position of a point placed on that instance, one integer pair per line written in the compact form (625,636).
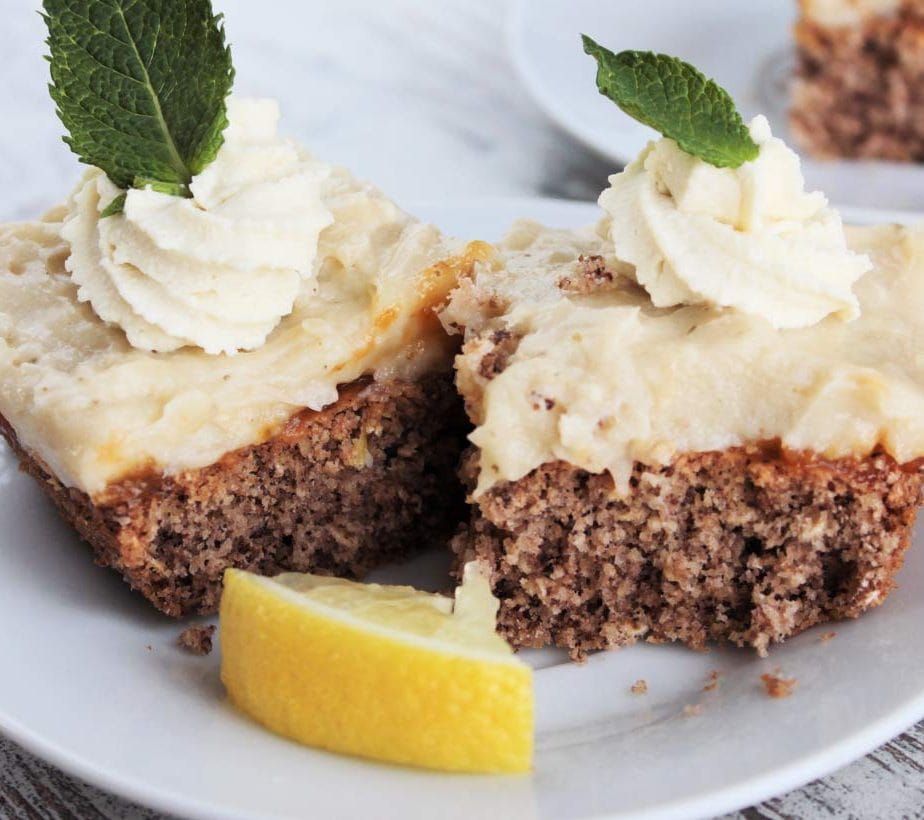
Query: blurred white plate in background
(93,682)
(746,46)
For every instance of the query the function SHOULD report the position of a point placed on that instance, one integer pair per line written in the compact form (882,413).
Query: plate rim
(514,31)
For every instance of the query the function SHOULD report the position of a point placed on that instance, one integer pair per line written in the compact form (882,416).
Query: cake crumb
(712,682)
(778,687)
(196,639)
(591,275)
(494,362)
(640,687)
(538,401)
(827,636)
(692,709)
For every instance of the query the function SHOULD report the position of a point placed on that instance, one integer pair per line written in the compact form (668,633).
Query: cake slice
(859,89)
(676,475)
(222,351)
(253,378)
(701,419)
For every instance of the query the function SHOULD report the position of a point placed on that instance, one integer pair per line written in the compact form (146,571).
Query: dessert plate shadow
(93,683)
(747,47)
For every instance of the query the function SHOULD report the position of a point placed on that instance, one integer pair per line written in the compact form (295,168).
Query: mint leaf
(677,100)
(115,207)
(141,86)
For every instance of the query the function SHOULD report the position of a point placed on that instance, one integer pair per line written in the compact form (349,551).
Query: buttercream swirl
(749,238)
(219,270)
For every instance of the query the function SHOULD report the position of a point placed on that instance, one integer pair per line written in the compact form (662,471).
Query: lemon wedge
(384,672)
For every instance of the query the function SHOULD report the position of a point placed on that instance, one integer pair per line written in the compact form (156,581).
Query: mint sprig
(676,100)
(141,87)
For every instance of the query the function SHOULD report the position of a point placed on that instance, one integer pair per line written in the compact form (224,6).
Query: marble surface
(419,97)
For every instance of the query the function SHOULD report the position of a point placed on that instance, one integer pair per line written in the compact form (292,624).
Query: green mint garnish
(115,207)
(676,100)
(141,87)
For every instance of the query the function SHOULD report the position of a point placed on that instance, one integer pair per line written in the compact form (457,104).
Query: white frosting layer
(748,238)
(96,409)
(603,379)
(217,271)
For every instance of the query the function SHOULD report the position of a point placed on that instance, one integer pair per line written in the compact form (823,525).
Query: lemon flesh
(384,672)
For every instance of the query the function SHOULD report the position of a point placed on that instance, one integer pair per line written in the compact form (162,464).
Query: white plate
(746,46)
(92,682)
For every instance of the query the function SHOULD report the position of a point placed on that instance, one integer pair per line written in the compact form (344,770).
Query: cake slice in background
(859,89)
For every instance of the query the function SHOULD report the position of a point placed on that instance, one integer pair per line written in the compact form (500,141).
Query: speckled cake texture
(859,87)
(748,545)
(368,480)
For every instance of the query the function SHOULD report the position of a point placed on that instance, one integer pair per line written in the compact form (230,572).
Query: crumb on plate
(778,687)
(196,639)
(640,687)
